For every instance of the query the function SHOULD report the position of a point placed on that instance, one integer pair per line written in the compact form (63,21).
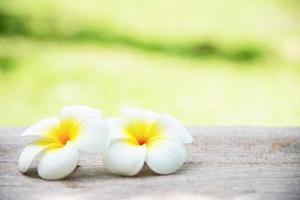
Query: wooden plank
(223,163)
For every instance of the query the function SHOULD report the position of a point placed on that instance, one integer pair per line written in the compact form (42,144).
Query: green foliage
(6,64)
(207,62)
(21,25)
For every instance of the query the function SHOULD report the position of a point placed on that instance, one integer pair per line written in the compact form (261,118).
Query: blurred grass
(207,62)
(28,24)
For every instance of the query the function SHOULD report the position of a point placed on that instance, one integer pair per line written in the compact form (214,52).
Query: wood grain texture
(223,163)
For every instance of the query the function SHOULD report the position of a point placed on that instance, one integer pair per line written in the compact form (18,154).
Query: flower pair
(142,136)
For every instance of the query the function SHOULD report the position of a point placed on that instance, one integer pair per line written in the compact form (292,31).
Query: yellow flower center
(142,132)
(68,130)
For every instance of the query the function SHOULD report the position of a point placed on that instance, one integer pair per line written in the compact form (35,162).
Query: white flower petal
(93,136)
(58,163)
(79,113)
(116,126)
(140,115)
(124,158)
(41,128)
(28,155)
(165,156)
(171,127)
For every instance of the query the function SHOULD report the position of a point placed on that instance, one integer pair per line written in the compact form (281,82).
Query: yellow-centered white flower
(58,139)
(145,136)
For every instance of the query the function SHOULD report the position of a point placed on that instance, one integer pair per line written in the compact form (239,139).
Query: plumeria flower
(145,136)
(58,139)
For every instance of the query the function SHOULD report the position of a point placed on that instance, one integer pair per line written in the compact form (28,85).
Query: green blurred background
(209,62)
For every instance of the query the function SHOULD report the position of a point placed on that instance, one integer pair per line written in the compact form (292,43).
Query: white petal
(58,163)
(28,155)
(165,156)
(116,126)
(140,114)
(171,127)
(124,158)
(41,128)
(93,136)
(79,112)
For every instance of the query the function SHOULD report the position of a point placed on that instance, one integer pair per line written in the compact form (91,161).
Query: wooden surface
(223,163)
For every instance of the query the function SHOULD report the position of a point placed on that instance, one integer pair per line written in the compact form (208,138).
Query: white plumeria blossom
(58,139)
(145,136)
